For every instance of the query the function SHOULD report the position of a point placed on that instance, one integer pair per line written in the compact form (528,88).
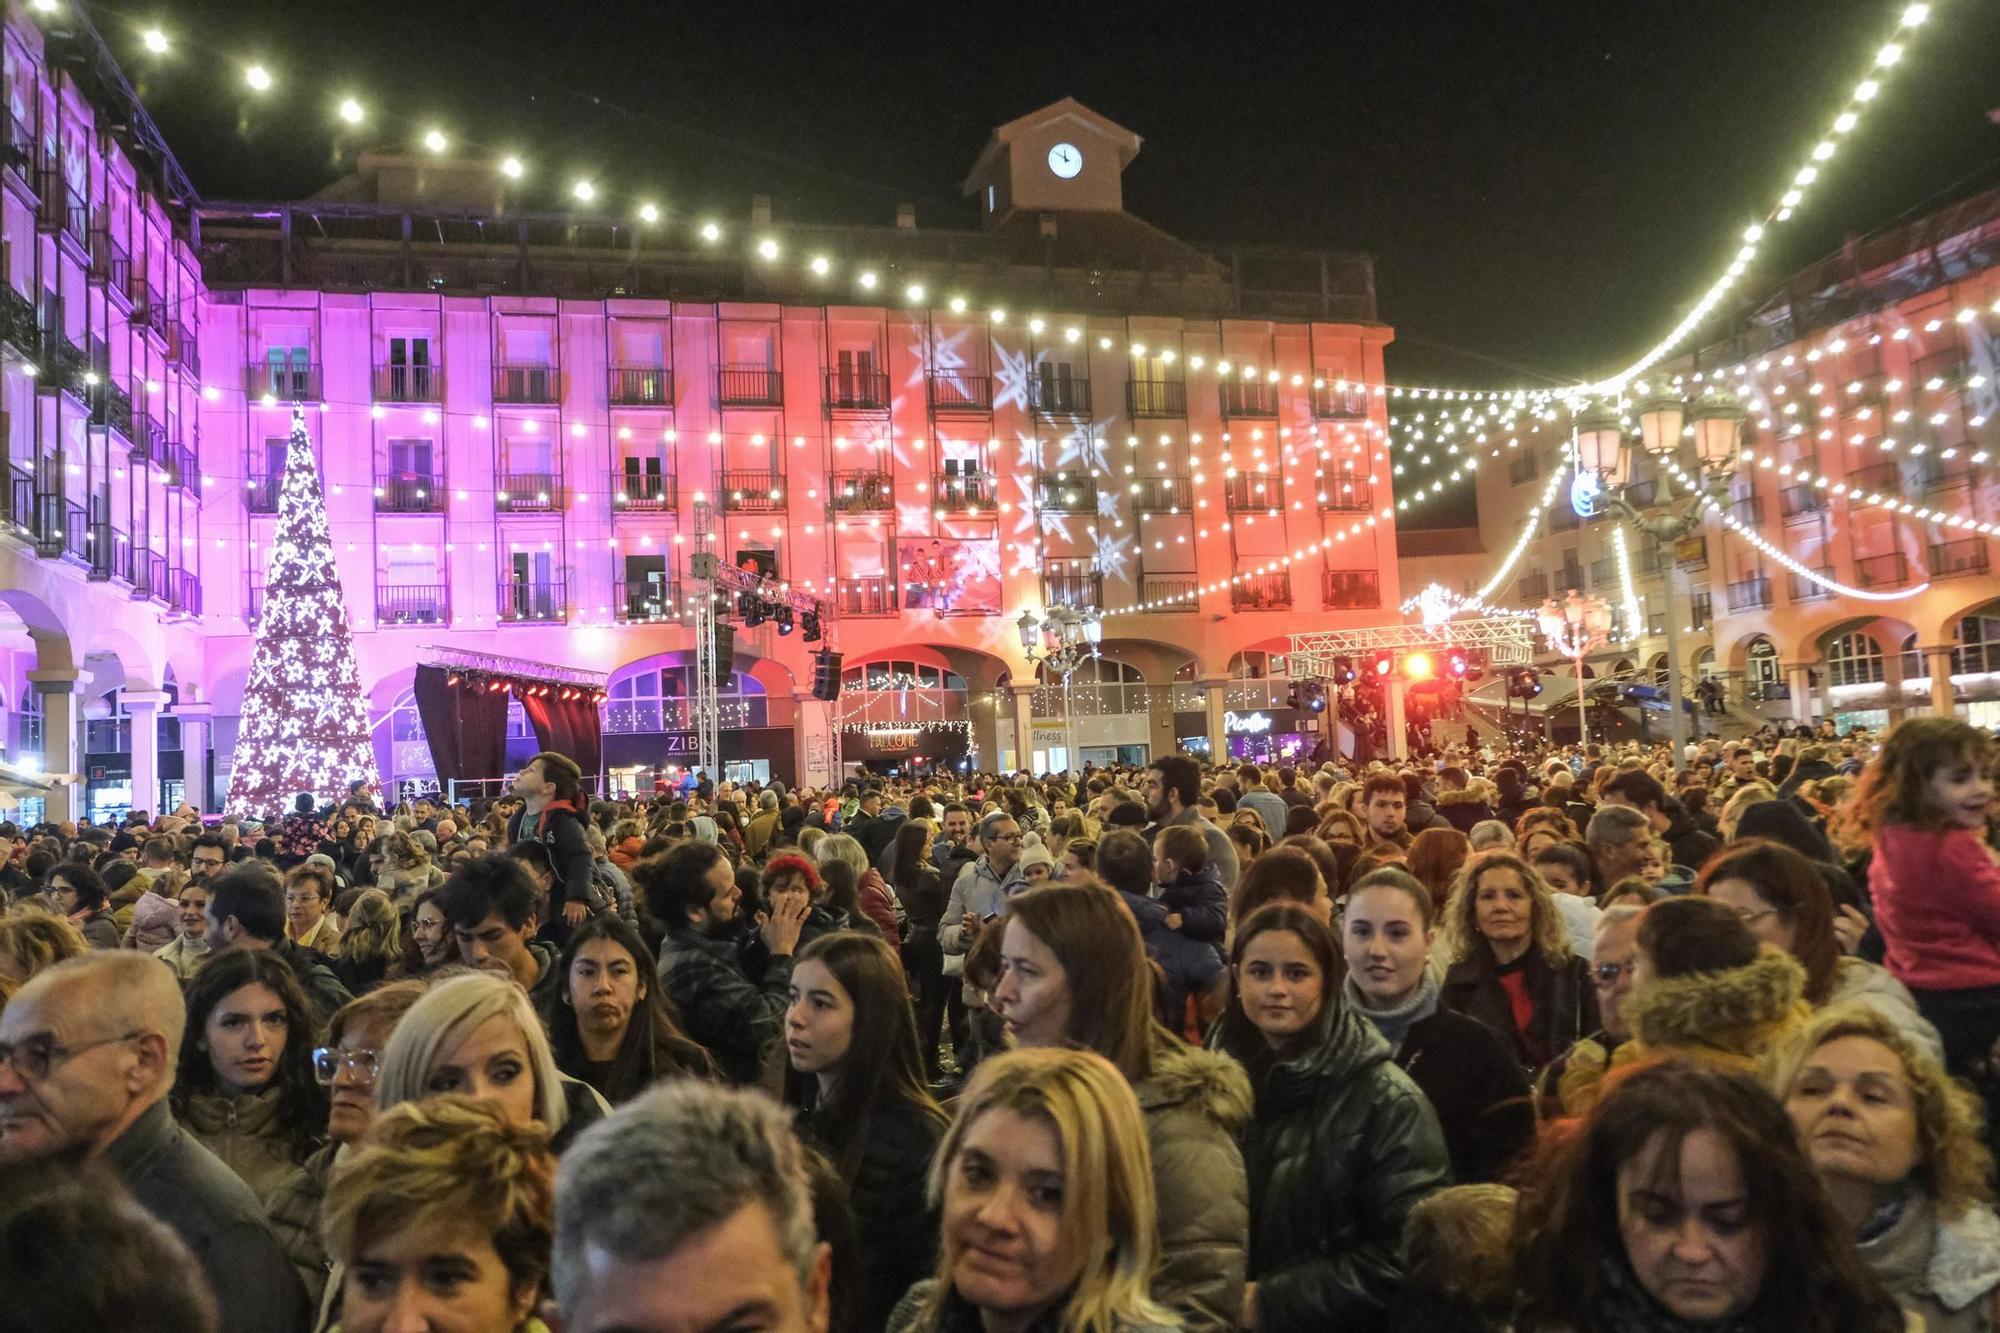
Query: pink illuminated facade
(522,419)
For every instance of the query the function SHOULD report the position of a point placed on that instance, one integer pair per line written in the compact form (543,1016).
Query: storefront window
(1854,659)
(656,699)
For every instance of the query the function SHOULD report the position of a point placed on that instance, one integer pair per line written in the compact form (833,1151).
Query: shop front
(1258,736)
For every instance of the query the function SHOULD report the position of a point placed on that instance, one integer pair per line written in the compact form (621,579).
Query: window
(659,699)
(1854,659)
(1978,639)
(288,370)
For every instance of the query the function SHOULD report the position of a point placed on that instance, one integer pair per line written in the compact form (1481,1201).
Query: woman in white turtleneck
(1480,1095)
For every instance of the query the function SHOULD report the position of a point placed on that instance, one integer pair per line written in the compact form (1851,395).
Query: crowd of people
(1604,1038)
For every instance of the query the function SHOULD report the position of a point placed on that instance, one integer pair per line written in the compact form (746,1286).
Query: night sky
(1544,185)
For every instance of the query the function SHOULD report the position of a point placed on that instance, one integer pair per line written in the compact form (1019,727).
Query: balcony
(1066,493)
(1570,576)
(953,393)
(60,211)
(1882,571)
(637,492)
(752,490)
(526,386)
(1602,572)
(531,602)
(409,493)
(1253,492)
(409,384)
(17,150)
(1353,589)
(110,262)
(857,391)
(1155,398)
(749,386)
(524,491)
(284,384)
(964,492)
(253,600)
(647,601)
(1942,474)
(1262,592)
(183,469)
(1072,583)
(1802,589)
(1162,495)
(1346,493)
(1748,510)
(1060,394)
(184,351)
(1248,398)
(1340,403)
(111,407)
(1533,587)
(149,307)
(1801,501)
(260,491)
(1751,594)
(1964,556)
(153,577)
(861,493)
(1940,372)
(641,386)
(1886,475)
(411,604)
(1169,591)
(866,596)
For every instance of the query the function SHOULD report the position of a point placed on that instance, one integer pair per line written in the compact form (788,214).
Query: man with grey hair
(689,1209)
(1618,836)
(87,1056)
(757,834)
(982,888)
(1490,833)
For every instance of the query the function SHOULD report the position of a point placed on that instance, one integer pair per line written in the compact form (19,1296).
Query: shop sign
(1245,724)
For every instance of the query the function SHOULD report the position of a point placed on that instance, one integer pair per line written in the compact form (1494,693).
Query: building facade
(525,423)
(1873,388)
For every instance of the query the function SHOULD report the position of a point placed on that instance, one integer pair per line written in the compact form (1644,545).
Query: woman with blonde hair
(1745,796)
(1338,824)
(450,1187)
(33,938)
(1509,961)
(478,1034)
(1047,1165)
(371,943)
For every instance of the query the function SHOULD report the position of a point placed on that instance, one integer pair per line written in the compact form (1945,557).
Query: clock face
(1065,160)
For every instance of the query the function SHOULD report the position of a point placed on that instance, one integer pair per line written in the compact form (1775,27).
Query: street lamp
(1061,642)
(1576,627)
(1715,420)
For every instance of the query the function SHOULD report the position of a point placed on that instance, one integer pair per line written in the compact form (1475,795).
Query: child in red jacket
(1923,804)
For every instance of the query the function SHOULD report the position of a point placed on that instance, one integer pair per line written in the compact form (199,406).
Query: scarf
(1395,1023)
(1628,1309)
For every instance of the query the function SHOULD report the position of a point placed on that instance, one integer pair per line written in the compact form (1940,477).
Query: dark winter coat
(1478,1091)
(216,1216)
(323,987)
(1203,906)
(734,1017)
(1341,1147)
(1691,844)
(962,1316)
(1195,1103)
(1462,809)
(560,828)
(897,1226)
(1565,1002)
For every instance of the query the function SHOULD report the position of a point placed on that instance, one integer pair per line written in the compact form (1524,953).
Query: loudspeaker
(826,676)
(725,647)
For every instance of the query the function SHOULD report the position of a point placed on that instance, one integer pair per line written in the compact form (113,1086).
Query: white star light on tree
(305,723)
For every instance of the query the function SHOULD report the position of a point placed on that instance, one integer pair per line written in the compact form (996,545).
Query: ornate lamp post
(1062,641)
(1603,450)
(1576,627)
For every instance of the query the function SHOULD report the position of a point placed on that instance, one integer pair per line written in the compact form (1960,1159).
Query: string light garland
(1635,620)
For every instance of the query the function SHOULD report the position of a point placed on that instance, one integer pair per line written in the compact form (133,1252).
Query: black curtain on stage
(467,729)
(572,727)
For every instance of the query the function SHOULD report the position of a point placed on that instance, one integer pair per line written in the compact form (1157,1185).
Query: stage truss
(1506,641)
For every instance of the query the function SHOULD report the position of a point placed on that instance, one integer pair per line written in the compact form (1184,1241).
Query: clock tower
(1063,158)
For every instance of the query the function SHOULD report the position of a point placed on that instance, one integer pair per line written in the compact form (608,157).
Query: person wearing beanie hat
(1037,866)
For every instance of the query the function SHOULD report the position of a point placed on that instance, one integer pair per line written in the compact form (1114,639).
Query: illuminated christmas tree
(305,725)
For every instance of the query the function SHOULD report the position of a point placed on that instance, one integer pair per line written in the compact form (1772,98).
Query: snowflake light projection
(305,724)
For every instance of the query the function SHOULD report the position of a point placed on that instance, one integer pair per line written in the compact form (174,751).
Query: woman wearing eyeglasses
(245,1085)
(345,1067)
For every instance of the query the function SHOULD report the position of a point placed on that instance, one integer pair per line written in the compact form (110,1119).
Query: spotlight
(784,620)
(1418,666)
(809,627)
(758,612)
(1456,665)
(1382,663)
(454,679)
(1343,671)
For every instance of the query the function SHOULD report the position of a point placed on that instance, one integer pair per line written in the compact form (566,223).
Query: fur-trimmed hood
(1208,1082)
(1739,1012)
(1446,798)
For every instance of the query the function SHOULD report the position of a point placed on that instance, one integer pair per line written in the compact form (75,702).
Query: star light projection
(305,724)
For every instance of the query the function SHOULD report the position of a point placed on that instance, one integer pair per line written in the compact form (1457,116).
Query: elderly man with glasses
(87,1057)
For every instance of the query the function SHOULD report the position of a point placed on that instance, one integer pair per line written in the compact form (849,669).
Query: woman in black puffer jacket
(1341,1144)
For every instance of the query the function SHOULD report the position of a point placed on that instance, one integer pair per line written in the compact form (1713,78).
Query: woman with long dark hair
(1683,1202)
(923,893)
(81,894)
(851,1040)
(611,1025)
(245,1086)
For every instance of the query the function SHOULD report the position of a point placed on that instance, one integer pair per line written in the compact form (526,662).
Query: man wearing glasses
(1616,945)
(87,1055)
(982,889)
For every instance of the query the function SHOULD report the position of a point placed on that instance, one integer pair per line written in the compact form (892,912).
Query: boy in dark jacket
(1184,920)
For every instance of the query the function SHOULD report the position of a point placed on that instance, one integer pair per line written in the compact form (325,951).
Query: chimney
(1048,226)
(906,217)
(760,210)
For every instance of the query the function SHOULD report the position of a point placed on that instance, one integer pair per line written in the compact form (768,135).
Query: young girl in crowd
(1923,804)
(611,1026)
(851,1040)
(245,1084)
